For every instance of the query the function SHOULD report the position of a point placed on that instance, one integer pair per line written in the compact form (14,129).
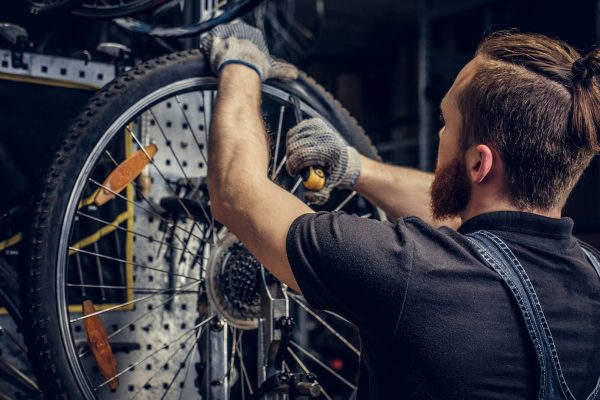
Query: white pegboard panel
(61,69)
(177,123)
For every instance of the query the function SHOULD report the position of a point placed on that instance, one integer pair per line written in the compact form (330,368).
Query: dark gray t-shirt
(435,322)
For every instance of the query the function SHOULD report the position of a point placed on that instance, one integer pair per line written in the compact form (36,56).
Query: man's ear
(480,160)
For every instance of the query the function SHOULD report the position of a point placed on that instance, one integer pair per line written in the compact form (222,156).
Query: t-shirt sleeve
(356,267)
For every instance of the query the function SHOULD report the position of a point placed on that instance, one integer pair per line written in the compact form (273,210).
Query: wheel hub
(233,282)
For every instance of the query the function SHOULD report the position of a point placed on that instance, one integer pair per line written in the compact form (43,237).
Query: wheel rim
(117,322)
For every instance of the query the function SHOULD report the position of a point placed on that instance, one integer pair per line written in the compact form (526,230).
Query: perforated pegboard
(156,321)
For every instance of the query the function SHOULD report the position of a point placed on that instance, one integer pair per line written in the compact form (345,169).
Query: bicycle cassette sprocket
(233,283)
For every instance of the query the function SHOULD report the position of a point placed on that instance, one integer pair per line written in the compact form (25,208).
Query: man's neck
(475,208)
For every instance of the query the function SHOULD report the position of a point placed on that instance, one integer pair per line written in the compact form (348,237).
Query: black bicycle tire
(63,7)
(192,29)
(130,9)
(46,351)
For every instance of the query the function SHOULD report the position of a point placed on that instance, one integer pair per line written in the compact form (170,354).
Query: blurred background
(389,62)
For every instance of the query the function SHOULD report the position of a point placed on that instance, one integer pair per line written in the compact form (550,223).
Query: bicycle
(92,8)
(134,290)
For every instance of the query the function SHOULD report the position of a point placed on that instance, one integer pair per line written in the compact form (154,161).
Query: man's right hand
(314,143)
(240,43)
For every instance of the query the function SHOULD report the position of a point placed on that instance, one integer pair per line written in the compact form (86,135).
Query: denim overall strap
(595,395)
(593,260)
(501,259)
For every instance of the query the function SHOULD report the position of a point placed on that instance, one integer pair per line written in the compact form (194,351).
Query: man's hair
(537,102)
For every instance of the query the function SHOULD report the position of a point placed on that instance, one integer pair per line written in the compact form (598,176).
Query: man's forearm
(237,142)
(399,191)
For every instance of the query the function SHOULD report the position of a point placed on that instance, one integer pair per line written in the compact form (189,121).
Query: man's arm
(399,191)
(255,209)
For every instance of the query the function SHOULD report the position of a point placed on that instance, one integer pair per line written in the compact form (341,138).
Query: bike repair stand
(274,333)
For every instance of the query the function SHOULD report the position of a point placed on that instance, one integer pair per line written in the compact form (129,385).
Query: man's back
(436,322)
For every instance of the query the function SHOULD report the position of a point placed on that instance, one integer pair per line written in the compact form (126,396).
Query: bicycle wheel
(51,6)
(217,12)
(291,35)
(148,274)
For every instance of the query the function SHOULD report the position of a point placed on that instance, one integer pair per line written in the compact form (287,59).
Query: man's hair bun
(584,68)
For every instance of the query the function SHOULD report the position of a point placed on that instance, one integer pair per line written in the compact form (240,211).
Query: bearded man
(484,295)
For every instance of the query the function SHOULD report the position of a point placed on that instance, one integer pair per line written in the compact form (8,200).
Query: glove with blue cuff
(240,43)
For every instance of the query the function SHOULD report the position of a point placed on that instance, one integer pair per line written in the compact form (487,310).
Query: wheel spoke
(164,271)
(134,301)
(139,290)
(142,387)
(168,143)
(279,167)
(13,339)
(326,325)
(322,365)
(232,353)
(277,140)
(210,95)
(345,201)
(163,347)
(147,237)
(169,222)
(296,186)
(166,181)
(306,371)
(189,359)
(20,376)
(154,214)
(139,318)
(240,353)
(184,363)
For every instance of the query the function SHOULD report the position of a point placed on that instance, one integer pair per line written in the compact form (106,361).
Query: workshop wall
(393,75)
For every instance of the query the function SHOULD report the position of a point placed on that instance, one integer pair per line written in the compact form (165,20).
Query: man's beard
(450,190)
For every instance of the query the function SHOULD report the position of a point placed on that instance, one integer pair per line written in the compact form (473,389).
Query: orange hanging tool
(99,345)
(124,174)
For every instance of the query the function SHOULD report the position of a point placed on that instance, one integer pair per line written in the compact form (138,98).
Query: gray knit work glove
(314,143)
(240,43)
